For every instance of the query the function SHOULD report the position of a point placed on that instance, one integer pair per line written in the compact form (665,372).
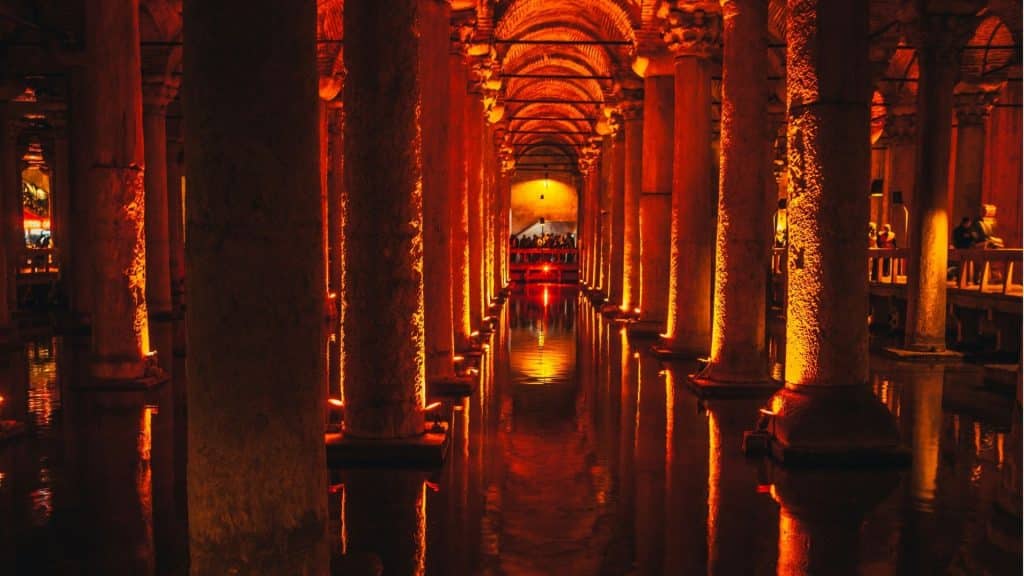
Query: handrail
(37,261)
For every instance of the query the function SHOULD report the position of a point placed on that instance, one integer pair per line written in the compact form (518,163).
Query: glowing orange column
(744,206)
(474,183)
(616,218)
(255,287)
(656,199)
(972,110)
(437,256)
(632,113)
(384,332)
(826,409)
(120,334)
(939,37)
(157,94)
(335,228)
(688,325)
(593,193)
(459,196)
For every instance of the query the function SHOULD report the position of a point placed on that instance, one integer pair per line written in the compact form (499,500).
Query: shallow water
(581,454)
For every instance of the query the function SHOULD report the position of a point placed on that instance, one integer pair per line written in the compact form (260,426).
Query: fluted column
(457,153)
(255,259)
(120,328)
(827,409)
(972,109)
(744,205)
(656,195)
(693,36)
(633,122)
(157,93)
(938,40)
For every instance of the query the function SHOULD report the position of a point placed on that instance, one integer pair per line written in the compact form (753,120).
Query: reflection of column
(650,467)
(261,258)
(384,346)
(656,198)
(385,519)
(632,114)
(459,198)
(972,109)
(156,96)
(688,512)
(437,255)
(688,322)
(120,338)
(938,61)
(744,206)
(827,408)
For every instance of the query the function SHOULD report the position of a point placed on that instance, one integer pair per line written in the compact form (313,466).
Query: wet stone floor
(581,454)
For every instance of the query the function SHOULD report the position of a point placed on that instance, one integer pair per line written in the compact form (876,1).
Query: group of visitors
(882,237)
(544,241)
(974,233)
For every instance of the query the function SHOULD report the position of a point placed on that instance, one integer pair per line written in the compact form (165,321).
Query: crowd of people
(545,241)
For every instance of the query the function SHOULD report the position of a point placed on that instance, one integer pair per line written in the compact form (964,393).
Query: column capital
(943,33)
(900,127)
(632,105)
(691,27)
(157,92)
(973,107)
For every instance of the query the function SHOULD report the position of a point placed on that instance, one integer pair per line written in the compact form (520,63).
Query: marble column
(384,329)
(255,284)
(437,255)
(336,206)
(120,334)
(616,218)
(744,233)
(82,271)
(656,198)
(938,40)
(157,93)
(604,200)
(459,196)
(8,194)
(633,122)
(176,219)
(972,109)
(827,410)
(901,134)
(474,173)
(688,324)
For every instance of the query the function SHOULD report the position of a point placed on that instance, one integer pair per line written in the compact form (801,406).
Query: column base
(929,355)
(827,425)
(11,429)
(665,351)
(610,310)
(646,328)
(451,387)
(124,376)
(427,450)
(706,386)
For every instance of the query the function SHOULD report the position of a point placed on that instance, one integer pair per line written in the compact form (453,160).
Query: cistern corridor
(582,454)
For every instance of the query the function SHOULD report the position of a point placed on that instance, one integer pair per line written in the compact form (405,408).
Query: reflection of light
(714,473)
(546,269)
(546,296)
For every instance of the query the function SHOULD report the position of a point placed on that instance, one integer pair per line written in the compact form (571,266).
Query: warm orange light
(335,402)
(432,406)
(547,268)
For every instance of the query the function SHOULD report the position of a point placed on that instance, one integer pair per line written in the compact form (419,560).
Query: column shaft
(970,157)
(83,256)
(617,219)
(474,173)
(437,255)
(120,334)
(656,198)
(459,199)
(7,196)
(929,228)
(336,206)
(176,220)
(632,163)
(158,250)
(255,259)
(688,326)
(744,204)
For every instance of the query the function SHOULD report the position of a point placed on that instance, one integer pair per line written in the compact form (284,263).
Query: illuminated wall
(558,204)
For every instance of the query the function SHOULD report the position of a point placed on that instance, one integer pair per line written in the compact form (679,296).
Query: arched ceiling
(560,63)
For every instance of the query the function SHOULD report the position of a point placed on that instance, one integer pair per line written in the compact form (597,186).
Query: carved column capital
(900,128)
(691,27)
(943,34)
(973,107)
(157,92)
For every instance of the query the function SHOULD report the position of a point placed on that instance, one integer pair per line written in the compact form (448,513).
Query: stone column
(594,198)
(474,166)
(616,218)
(7,195)
(176,219)
(437,256)
(60,194)
(632,113)
(827,410)
(744,233)
(692,37)
(384,331)
(901,134)
(120,334)
(255,258)
(459,196)
(938,41)
(82,272)
(336,206)
(972,108)
(157,93)
(656,198)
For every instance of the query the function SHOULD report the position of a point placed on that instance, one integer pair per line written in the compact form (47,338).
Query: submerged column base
(822,425)
(903,353)
(424,451)
(708,384)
